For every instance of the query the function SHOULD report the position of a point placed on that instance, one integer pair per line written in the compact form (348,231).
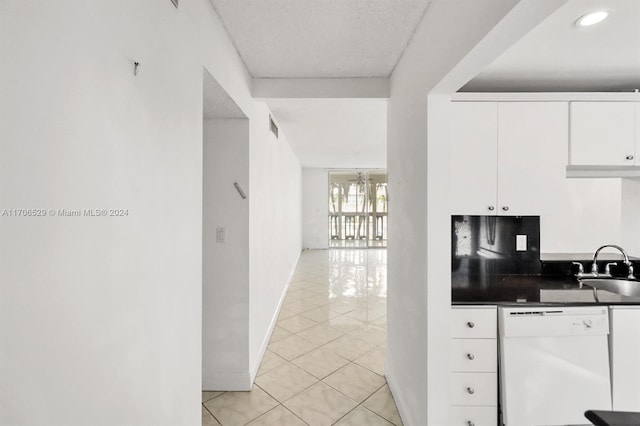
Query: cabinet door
(625,355)
(602,133)
(532,155)
(636,109)
(473,158)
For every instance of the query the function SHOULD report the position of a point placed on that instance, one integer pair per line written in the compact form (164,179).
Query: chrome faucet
(580,269)
(594,266)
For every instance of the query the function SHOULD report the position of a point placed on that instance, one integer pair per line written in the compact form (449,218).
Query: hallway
(325,362)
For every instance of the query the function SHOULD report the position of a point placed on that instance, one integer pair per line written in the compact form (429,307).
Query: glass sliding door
(378,199)
(358,208)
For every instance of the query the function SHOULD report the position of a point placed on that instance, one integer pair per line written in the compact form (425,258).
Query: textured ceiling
(217,103)
(558,56)
(340,133)
(320,38)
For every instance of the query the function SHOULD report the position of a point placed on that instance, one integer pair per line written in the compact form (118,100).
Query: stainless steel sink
(622,286)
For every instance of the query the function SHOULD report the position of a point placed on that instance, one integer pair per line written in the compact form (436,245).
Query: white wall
(245,278)
(102,316)
(581,215)
(225,268)
(315,208)
(630,228)
(410,301)
(275,223)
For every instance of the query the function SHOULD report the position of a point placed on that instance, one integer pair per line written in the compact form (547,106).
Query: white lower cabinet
(474,363)
(624,347)
(473,322)
(474,416)
(474,366)
(474,389)
(471,355)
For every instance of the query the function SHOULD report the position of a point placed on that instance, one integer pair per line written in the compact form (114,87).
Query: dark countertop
(613,418)
(582,257)
(507,288)
(480,281)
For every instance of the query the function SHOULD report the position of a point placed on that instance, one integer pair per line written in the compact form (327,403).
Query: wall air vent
(273,127)
(175,3)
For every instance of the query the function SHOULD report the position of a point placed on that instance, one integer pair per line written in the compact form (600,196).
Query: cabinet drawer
(474,389)
(473,323)
(479,355)
(473,416)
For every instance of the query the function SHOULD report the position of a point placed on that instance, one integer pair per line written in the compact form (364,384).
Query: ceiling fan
(359,179)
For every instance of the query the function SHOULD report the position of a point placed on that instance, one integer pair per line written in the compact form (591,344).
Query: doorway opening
(358,202)
(225,241)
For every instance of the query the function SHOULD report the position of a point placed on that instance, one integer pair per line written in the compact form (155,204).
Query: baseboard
(325,247)
(226,381)
(272,325)
(398,396)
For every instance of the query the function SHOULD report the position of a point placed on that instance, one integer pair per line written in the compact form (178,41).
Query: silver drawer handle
(629,157)
(491,208)
(470,324)
(470,423)
(470,391)
(505,208)
(471,356)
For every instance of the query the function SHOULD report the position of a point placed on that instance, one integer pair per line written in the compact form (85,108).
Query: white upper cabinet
(506,156)
(532,155)
(603,133)
(473,155)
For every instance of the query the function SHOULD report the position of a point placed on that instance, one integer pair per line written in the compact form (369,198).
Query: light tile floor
(325,362)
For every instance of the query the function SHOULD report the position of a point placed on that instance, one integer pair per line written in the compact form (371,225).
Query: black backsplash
(487,268)
(486,245)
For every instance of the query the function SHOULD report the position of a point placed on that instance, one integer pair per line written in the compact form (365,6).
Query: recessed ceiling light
(592,18)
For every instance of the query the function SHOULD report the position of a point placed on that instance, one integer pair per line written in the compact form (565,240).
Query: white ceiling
(335,133)
(365,38)
(320,38)
(558,56)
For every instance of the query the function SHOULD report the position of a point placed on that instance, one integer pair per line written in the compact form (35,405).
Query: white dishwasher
(554,364)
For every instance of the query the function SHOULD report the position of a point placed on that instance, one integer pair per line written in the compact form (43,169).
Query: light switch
(521,243)
(221,235)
